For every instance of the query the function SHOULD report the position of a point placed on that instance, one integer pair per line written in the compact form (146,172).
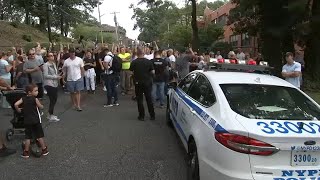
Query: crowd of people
(139,71)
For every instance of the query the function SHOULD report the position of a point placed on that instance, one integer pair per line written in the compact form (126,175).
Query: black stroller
(18,120)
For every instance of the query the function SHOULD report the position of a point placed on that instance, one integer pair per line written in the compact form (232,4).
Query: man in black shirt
(160,65)
(143,72)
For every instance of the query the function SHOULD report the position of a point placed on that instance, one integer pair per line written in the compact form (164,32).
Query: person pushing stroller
(32,119)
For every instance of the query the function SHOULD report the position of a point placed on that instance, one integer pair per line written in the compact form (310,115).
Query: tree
(312,56)
(208,35)
(194,25)
(91,33)
(154,21)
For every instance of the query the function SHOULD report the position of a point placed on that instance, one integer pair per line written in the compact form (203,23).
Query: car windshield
(270,102)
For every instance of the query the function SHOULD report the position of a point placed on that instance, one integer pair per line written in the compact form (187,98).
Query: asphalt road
(100,143)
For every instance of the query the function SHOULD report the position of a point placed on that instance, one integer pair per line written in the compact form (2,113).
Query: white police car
(241,126)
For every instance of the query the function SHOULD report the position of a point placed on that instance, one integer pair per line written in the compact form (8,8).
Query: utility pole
(168,32)
(100,22)
(49,9)
(116,25)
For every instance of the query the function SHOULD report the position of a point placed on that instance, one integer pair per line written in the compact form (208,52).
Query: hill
(17,34)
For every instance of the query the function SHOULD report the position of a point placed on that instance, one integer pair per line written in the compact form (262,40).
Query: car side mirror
(172,85)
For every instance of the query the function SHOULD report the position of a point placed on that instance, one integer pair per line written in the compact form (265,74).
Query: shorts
(34,131)
(75,86)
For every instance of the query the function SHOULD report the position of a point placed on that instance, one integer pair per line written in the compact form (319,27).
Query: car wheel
(168,119)
(193,162)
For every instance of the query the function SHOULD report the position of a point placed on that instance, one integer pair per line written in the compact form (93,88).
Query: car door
(177,100)
(199,97)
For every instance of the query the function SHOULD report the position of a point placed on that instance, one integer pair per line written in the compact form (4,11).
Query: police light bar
(240,68)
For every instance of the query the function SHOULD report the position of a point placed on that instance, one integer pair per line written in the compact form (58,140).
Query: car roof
(220,77)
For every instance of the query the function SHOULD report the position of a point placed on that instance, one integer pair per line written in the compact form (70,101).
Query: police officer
(143,72)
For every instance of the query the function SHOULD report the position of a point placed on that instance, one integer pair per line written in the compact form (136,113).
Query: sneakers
(116,104)
(45,152)
(53,118)
(79,109)
(4,151)
(25,154)
(140,118)
(107,105)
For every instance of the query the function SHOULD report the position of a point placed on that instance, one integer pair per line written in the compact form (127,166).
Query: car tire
(168,119)
(193,162)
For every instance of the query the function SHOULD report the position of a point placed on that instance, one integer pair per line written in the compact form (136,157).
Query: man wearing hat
(73,68)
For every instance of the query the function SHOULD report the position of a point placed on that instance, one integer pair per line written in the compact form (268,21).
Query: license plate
(305,158)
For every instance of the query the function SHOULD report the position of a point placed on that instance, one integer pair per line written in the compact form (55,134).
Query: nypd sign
(299,175)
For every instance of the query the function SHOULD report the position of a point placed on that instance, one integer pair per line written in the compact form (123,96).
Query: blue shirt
(295,67)
(3,72)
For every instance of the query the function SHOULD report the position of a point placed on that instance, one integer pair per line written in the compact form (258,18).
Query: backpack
(116,63)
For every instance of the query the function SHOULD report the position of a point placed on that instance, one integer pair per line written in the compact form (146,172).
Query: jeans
(90,83)
(144,88)
(158,91)
(52,92)
(111,82)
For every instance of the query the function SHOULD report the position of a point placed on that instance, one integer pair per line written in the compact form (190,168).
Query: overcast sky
(124,15)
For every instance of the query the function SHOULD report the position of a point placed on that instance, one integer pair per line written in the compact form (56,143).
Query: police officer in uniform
(143,72)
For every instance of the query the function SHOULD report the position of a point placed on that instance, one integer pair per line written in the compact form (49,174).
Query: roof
(244,78)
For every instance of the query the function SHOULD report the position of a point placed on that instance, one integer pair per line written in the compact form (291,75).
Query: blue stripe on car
(204,116)
(179,127)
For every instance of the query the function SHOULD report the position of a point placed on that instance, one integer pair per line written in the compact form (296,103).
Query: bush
(27,37)
(15,24)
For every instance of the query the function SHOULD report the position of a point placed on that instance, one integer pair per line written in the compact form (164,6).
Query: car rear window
(270,102)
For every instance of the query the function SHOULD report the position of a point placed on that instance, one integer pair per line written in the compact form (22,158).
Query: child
(32,119)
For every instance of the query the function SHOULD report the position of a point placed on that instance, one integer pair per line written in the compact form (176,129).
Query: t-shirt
(172,58)
(73,68)
(31,113)
(3,70)
(125,65)
(160,65)
(292,68)
(36,76)
(141,68)
(149,56)
(88,60)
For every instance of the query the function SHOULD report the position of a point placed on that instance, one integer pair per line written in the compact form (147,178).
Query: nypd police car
(245,126)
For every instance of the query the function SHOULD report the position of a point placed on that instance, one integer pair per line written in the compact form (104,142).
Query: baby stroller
(18,120)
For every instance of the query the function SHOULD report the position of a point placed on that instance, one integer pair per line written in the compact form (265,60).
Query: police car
(245,126)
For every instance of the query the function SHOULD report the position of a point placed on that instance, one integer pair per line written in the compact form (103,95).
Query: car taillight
(245,144)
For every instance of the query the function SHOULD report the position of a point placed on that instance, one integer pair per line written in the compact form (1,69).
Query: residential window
(245,39)
(222,19)
(234,40)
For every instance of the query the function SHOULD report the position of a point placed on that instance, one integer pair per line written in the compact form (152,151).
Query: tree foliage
(91,33)
(167,24)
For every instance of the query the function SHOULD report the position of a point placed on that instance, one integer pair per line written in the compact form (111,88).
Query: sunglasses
(32,54)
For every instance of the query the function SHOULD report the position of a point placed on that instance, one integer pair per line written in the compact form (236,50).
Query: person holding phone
(51,82)
(34,69)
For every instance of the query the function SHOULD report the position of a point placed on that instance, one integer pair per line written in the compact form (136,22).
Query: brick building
(220,16)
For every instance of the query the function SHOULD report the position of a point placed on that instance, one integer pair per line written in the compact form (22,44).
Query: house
(220,16)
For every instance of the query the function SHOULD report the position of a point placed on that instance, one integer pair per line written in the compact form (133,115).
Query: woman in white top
(5,74)
(51,82)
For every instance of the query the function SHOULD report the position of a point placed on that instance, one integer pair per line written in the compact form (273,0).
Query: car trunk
(298,143)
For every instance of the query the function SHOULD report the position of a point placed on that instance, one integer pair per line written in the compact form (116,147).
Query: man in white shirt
(73,68)
(292,71)
(240,55)
(149,53)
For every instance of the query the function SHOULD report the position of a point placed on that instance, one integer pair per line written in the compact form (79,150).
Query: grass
(12,35)
(315,96)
